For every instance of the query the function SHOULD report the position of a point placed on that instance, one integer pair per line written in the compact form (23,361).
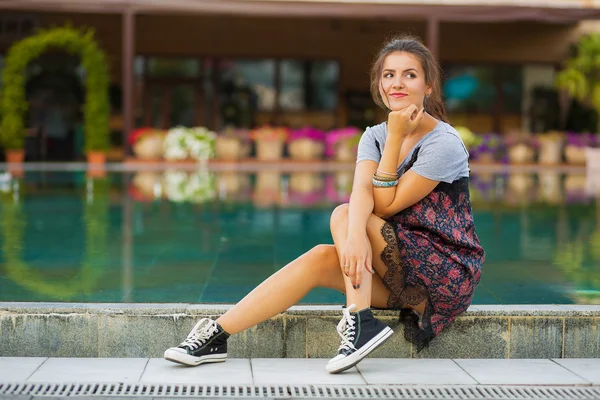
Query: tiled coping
(145,330)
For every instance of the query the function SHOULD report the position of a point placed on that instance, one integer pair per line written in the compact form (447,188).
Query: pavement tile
(298,371)
(233,371)
(90,370)
(414,372)
(587,368)
(519,372)
(18,369)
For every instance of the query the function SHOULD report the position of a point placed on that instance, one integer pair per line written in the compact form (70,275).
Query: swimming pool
(212,236)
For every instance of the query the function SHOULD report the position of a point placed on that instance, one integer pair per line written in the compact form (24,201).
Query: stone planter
(344,153)
(229,148)
(149,147)
(575,155)
(592,156)
(520,154)
(306,149)
(550,150)
(269,150)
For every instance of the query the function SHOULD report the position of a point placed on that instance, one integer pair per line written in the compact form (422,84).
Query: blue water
(212,237)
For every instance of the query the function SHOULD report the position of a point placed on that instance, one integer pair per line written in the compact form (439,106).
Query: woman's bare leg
(319,267)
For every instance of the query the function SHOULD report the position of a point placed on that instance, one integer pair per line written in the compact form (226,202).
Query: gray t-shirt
(442,154)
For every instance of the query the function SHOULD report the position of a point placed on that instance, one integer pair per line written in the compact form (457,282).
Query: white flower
(182,143)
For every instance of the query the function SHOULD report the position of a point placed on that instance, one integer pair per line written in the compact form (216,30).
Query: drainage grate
(299,391)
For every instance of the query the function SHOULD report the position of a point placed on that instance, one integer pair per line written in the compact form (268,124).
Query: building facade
(297,63)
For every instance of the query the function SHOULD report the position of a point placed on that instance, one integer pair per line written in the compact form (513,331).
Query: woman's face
(402,81)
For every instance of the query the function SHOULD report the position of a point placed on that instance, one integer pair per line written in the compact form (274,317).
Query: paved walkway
(421,372)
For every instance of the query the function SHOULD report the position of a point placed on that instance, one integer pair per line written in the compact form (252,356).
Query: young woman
(405,241)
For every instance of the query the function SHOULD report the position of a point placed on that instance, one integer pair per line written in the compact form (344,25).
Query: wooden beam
(127,79)
(433,36)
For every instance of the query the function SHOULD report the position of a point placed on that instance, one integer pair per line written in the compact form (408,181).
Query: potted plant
(147,143)
(520,147)
(488,149)
(468,137)
(580,77)
(183,143)
(342,144)
(306,144)
(232,144)
(269,142)
(575,146)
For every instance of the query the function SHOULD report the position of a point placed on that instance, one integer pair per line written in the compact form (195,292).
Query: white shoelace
(346,329)
(200,333)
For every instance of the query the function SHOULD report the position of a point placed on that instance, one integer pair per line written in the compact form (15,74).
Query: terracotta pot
(15,155)
(96,157)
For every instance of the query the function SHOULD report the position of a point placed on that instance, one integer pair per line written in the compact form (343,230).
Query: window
(482,89)
(253,77)
(292,95)
(324,78)
(469,89)
(309,85)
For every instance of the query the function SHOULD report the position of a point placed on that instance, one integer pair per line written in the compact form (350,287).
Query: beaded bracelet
(378,183)
(384,178)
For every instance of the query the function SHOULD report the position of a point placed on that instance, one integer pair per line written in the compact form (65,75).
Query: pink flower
(447,202)
(307,133)
(434,259)
(456,234)
(454,273)
(430,215)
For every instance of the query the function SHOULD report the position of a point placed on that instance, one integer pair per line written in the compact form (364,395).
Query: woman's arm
(361,198)
(411,188)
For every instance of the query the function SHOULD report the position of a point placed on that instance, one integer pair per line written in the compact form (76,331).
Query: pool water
(210,236)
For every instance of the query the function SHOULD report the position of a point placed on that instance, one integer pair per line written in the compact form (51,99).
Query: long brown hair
(408,44)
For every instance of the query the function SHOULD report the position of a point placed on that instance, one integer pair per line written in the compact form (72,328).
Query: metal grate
(299,391)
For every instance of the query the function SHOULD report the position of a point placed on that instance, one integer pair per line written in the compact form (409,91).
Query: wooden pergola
(432,11)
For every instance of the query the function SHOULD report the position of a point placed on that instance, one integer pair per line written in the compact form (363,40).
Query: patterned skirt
(434,259)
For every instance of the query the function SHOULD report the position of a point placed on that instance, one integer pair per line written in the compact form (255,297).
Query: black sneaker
(361,333)
(206,343)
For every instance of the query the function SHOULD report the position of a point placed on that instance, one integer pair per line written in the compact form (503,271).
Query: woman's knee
(324,254)
(325,265)
(339,215)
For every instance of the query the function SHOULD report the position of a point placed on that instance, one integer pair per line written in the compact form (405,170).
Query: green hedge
(13,102)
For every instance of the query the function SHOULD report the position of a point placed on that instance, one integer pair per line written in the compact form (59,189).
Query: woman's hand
(356,258)
(402,122)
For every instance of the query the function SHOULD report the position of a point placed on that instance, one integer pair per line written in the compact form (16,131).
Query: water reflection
(15,222)
(162,236)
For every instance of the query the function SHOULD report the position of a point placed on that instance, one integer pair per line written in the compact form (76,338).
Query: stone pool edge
(145,330)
